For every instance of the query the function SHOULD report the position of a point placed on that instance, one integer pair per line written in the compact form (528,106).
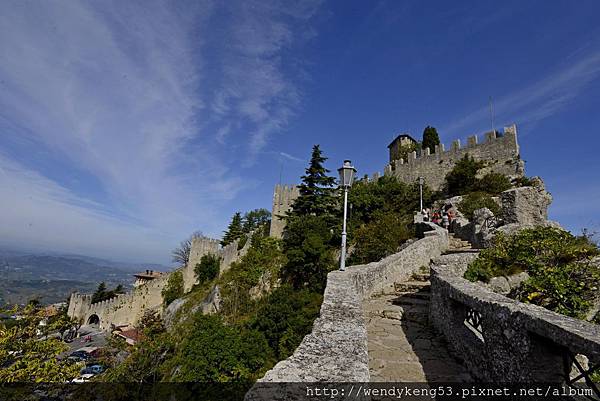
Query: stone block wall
(501,152)
(500,339)
(336,349)
(283,198)
(124,309)
(127,309)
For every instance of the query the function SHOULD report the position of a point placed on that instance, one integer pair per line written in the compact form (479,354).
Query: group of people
(442,217)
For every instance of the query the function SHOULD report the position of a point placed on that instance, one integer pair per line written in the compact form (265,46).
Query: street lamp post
(421,194)
(347,172)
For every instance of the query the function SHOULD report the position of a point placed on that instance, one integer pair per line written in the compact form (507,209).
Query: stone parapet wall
(501,153)
(503,340)
(124,309)
(336,349)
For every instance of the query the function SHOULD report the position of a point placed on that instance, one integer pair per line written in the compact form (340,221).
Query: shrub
(523,182)
(208,268)
(463,177)
(214,352)
(477,200)
(380,238)
(285,317)
(174,288)
(264,255)
(562,278)
(493,183)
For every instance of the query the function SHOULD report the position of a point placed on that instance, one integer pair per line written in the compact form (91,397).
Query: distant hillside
(52,278)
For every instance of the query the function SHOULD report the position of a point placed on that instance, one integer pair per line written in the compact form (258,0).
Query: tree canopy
(234,230)
(430,138)
(316,190)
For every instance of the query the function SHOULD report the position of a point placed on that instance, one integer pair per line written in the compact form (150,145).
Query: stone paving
(402,345)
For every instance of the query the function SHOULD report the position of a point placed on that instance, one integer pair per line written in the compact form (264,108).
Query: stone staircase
(457,245)
(402,345)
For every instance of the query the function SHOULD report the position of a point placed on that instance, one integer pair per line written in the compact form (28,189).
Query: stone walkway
(402,345)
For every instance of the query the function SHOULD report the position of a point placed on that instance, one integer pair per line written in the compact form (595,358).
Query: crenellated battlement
(501,152)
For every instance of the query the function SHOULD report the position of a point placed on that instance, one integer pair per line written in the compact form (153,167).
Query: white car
(83,378)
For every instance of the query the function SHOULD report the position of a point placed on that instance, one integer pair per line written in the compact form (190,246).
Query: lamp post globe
(347,172)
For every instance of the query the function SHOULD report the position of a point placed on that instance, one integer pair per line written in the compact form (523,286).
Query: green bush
(208,268)
(214,352)
(285,317)
(174,288)
(463,177)
(523,182)
(493,183)
(477,200)
(562,278)
(380,238)
(265,255)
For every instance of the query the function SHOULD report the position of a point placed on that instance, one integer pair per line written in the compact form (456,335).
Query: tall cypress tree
(234,230)
(430,138)
(316,191)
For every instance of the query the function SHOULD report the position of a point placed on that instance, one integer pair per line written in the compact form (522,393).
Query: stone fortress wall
(283,197)
(336,349)
(498,338)
(500,151)
(127,309)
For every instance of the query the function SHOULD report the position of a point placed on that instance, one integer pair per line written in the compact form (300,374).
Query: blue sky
(125,126)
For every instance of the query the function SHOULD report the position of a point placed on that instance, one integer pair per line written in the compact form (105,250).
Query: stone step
(421,277)
(403,300)
(411,285)
(465,250)
(414,295)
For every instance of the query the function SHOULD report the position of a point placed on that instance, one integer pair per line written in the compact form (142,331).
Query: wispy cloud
(290,157)
(256,89)
(541,99)
(114,115)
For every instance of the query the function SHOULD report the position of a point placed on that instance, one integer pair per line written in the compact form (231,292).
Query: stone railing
(503,340)
(336,349)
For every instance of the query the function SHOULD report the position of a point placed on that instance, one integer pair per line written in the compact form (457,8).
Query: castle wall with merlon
(127,309)
(283,198)
(500,152)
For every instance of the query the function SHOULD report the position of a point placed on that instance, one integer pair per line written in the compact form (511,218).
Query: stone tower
(283,197)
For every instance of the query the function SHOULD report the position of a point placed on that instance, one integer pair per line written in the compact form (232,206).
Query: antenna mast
(492,114)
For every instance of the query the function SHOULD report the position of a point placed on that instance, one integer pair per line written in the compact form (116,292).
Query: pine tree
(316,191)
(234,230)
(100,294)
(430,138)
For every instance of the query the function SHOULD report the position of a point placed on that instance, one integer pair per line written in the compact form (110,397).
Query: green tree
(316,190)
(255,219)
(381,237)
(214,352)
(208,268)
(151,324)
(285,317)
(493,183)
(100,294)
(463,177)
(430,138)
(308,246)
(174,288)
(26,358)
(234,230)
(477,200)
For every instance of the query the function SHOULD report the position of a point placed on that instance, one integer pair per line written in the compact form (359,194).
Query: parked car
(79,355)
(93,369)
(83,378)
